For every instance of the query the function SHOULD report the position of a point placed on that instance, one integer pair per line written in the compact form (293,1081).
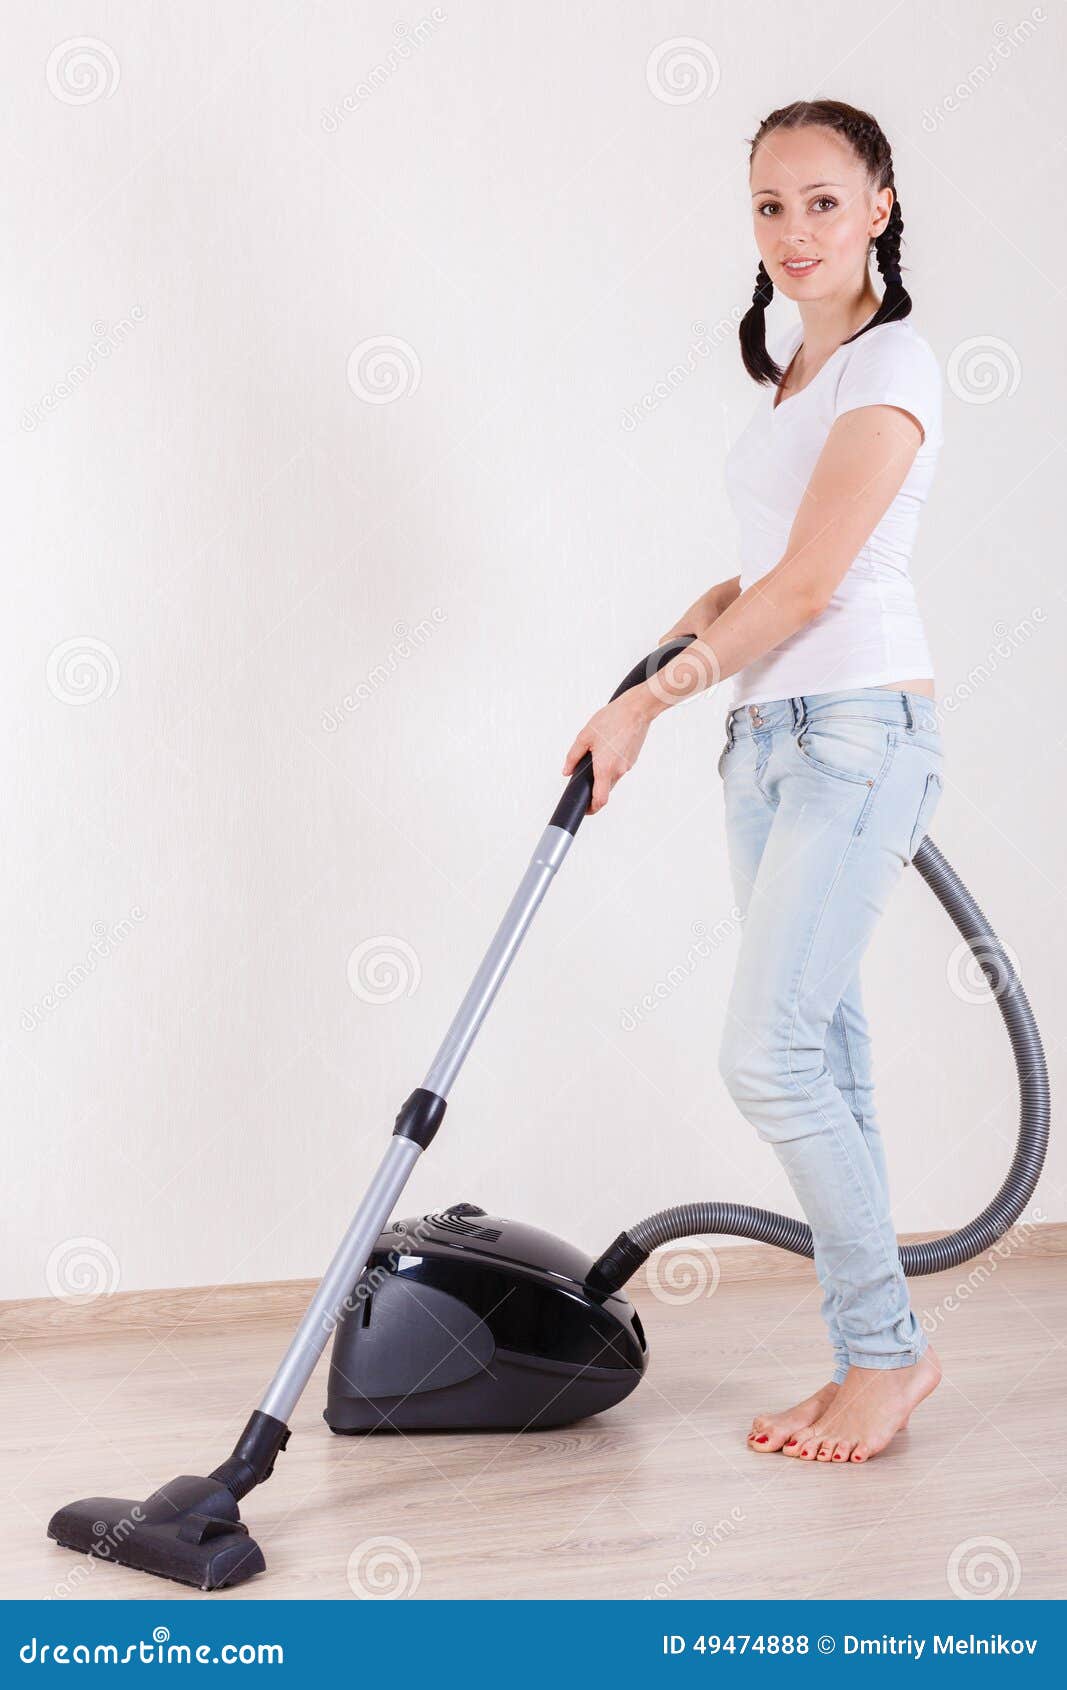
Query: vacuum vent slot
(448,1222)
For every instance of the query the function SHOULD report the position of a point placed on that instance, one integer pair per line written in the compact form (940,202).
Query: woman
(833,757)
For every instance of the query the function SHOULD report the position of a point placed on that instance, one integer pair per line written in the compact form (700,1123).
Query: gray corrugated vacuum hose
(688,1220)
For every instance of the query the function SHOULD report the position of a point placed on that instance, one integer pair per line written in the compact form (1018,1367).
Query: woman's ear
(883,205)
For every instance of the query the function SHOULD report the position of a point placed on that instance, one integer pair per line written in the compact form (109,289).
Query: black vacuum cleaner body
(465,1321)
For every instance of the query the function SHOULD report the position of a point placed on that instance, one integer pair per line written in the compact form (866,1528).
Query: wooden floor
(659,1497)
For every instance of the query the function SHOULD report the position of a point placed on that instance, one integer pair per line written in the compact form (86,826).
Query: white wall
(235,540)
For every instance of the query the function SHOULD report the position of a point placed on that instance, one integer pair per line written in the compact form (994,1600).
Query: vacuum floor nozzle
(189,1530)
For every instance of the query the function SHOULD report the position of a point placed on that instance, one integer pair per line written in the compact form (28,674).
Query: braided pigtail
(865,137)
(752,333)
(896,301)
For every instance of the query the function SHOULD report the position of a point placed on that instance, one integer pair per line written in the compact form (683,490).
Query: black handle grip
(572,807)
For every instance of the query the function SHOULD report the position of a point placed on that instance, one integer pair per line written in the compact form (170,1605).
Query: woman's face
(814,212)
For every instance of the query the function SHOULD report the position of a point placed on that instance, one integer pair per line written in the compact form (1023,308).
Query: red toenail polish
(762,1439)
(837,1458)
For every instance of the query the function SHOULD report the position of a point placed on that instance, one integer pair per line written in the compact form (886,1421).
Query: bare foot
(871,1405)
(770,1431)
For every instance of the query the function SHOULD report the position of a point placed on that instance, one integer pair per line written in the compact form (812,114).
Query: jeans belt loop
(908,712)
(800,714)
(730,727)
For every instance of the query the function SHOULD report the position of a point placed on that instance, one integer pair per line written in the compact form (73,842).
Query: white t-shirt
(871,632)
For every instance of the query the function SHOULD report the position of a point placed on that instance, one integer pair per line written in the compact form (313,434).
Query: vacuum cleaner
(462,1320)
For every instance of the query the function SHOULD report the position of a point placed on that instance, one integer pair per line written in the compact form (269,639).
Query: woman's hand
(686,624)
(697,617)
(702,612)
(614,736)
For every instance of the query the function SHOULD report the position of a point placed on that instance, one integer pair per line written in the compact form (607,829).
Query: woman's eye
(771,208)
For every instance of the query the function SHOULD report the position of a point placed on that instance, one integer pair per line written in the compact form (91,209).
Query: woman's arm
(860,470)
(704,610)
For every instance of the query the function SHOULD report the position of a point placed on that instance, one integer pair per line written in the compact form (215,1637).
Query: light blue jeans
(827,799)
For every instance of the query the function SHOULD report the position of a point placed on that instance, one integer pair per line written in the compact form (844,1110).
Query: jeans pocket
(851,748)
(927,805)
